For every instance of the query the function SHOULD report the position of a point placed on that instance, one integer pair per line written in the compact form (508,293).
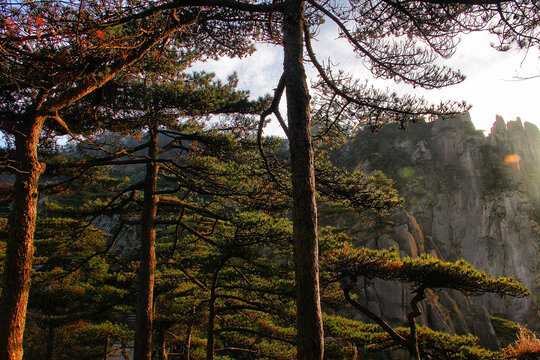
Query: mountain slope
(473,197)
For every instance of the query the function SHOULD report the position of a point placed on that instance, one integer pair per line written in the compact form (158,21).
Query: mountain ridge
(467,196)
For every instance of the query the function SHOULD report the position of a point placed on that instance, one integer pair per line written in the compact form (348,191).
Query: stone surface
(467,196)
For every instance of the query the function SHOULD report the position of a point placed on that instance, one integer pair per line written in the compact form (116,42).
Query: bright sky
(491,86)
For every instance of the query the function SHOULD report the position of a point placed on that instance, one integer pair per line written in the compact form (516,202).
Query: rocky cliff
(466,196)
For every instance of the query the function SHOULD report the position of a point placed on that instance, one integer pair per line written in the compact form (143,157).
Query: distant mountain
(467,196)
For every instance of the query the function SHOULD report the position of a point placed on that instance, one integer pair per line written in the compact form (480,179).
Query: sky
(491,85)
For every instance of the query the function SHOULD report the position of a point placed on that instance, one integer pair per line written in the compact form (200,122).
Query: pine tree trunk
(211,319)
(162,355)
(411,316)
(188,341)
(51,343)
(106,349)
(22,223)
(145,287)
(306,253)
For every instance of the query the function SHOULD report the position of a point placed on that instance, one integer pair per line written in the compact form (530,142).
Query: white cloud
(490,85)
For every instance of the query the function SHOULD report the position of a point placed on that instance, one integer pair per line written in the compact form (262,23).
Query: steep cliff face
(444,310)
(473,197)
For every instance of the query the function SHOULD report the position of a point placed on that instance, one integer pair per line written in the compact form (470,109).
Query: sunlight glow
(511,159)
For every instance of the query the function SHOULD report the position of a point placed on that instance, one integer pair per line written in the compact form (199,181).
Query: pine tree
(157,102)
(435,23)
(54,54)
(64,65)
(347,264)
(71,286)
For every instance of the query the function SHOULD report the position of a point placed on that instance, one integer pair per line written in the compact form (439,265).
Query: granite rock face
(466,196)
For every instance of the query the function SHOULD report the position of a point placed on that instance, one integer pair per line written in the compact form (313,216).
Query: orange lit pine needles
(526,347)
(349,263)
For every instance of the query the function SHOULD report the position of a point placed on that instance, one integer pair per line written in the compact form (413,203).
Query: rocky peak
(473,197)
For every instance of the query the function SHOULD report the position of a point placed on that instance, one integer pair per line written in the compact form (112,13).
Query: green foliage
(460,275)
(346,264)
(225,271)
(214,242)
(87,191)
(506,330)
(345,333)
(239,263)
(66,289)
(426,271)
(495,175)
(348,330)
(71,284)
(164,95)
(261,333)
(95,341)
(370,195)
(455,347)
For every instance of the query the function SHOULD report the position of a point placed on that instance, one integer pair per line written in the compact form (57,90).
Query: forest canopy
(87,68)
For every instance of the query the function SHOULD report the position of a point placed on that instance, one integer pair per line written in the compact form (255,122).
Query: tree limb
(386,327)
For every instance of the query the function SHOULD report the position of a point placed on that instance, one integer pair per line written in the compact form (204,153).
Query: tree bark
(411,317)
(51,343)
(188,338)
(145,286)
(211,318)
(20,242)
(377,319)
(162,355)
(306,252)
(106,348)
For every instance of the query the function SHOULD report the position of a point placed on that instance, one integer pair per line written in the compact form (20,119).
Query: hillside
(468,196)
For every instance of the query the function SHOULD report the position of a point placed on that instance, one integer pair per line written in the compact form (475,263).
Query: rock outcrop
(466,196)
